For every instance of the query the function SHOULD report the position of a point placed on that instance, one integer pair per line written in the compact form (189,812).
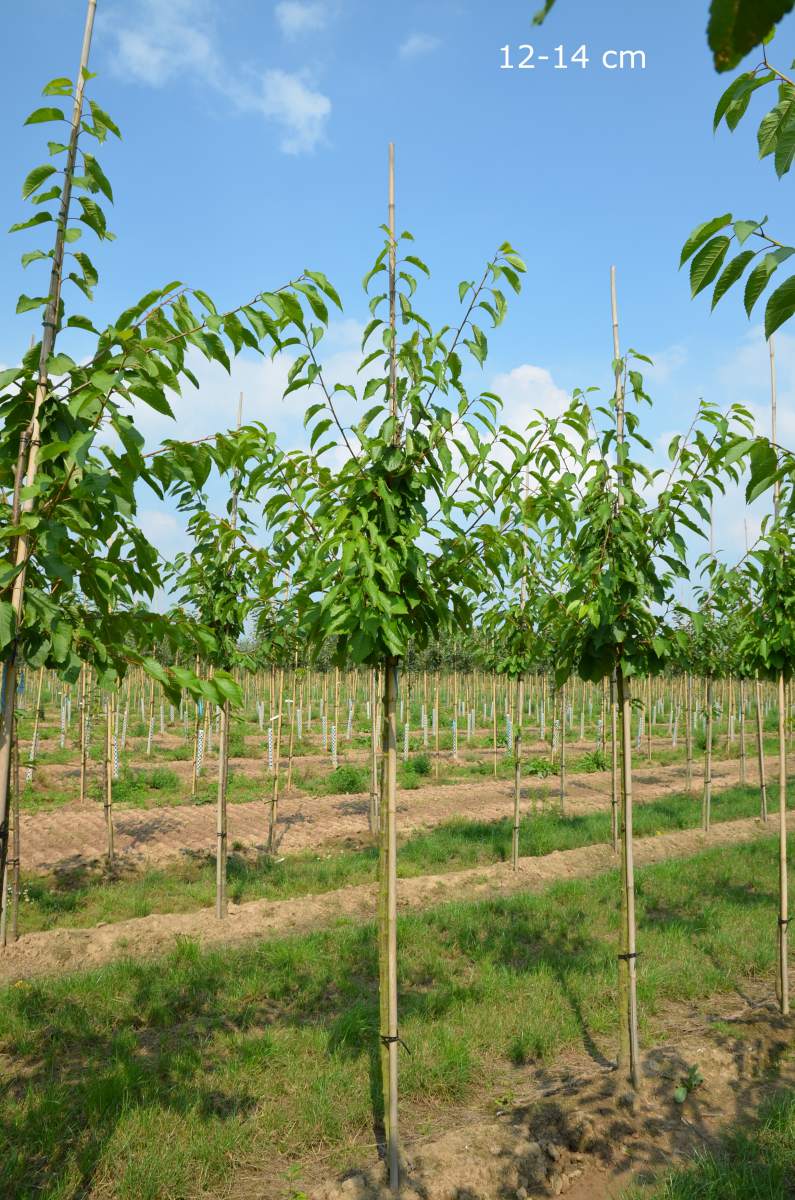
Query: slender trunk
(706,807)
(15,849)
(494,718)
(783,911)
(517,771)
(276,767)
(689,732)
(83,733)
(221,839)
(291,743)
(373,751)
(108,780)
(760,747)
(197,724)
(741,719)
(562,762)
(614,778)
(628,947)
(34,743)
(387,911)
(150,729)
(436,725)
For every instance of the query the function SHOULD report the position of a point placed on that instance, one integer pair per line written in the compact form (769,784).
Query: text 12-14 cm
(525,58)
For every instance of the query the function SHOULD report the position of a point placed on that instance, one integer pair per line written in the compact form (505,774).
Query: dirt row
(73,836)
(80,949)
(576,1131)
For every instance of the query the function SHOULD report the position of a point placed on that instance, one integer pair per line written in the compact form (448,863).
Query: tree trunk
(83,733)
(741,720)
(517,770)
(706,806)
(562,762)
(277,765)
(221,841)
(387,913)
(627,974)
(760,746)
(689,732)
(373,814)
(614,778)
(783,912)
(108,780)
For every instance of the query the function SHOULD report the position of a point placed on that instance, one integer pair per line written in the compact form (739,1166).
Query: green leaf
(28,303)
(9,375)
(322,282)
(730,274)
(102,118)
(744,229)
(707,263)
(780,306)
(59,364)
(7,624)
(36,178)
(58,87)
(40,115)
(700,235)
(38,218)
(774,123)
(97,176)
(33,256)
(736,26)
(760,276)
(680,1095)
(735,99)
(543,13)
(785,147)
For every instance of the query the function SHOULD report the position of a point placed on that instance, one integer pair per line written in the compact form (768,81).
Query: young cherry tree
(769,643)
(390,526)
(221,579)
(76,560)
(620,524)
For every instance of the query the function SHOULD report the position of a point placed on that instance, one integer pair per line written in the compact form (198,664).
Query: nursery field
(131,1008)
(395,780)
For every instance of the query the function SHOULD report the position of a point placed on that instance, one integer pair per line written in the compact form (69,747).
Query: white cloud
(665,363)
(154,42)
(525,389)
(298,109)
(295,17)
(418,44)
(157,42)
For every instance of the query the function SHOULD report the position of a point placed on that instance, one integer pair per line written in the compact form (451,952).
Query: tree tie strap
(627,957)
(394,1040)
(783,922)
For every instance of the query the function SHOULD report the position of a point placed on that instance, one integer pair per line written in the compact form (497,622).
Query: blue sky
(255,141)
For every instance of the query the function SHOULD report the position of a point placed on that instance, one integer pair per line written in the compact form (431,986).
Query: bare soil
(72,836)
(61,950)
(578,1131)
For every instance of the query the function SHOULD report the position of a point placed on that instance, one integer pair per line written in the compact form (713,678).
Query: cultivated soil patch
(73,836)
(80,949)
(576,1130)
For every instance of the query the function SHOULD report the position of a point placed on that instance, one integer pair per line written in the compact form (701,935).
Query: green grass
(157,1081)
(81,899)
(753,1164)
